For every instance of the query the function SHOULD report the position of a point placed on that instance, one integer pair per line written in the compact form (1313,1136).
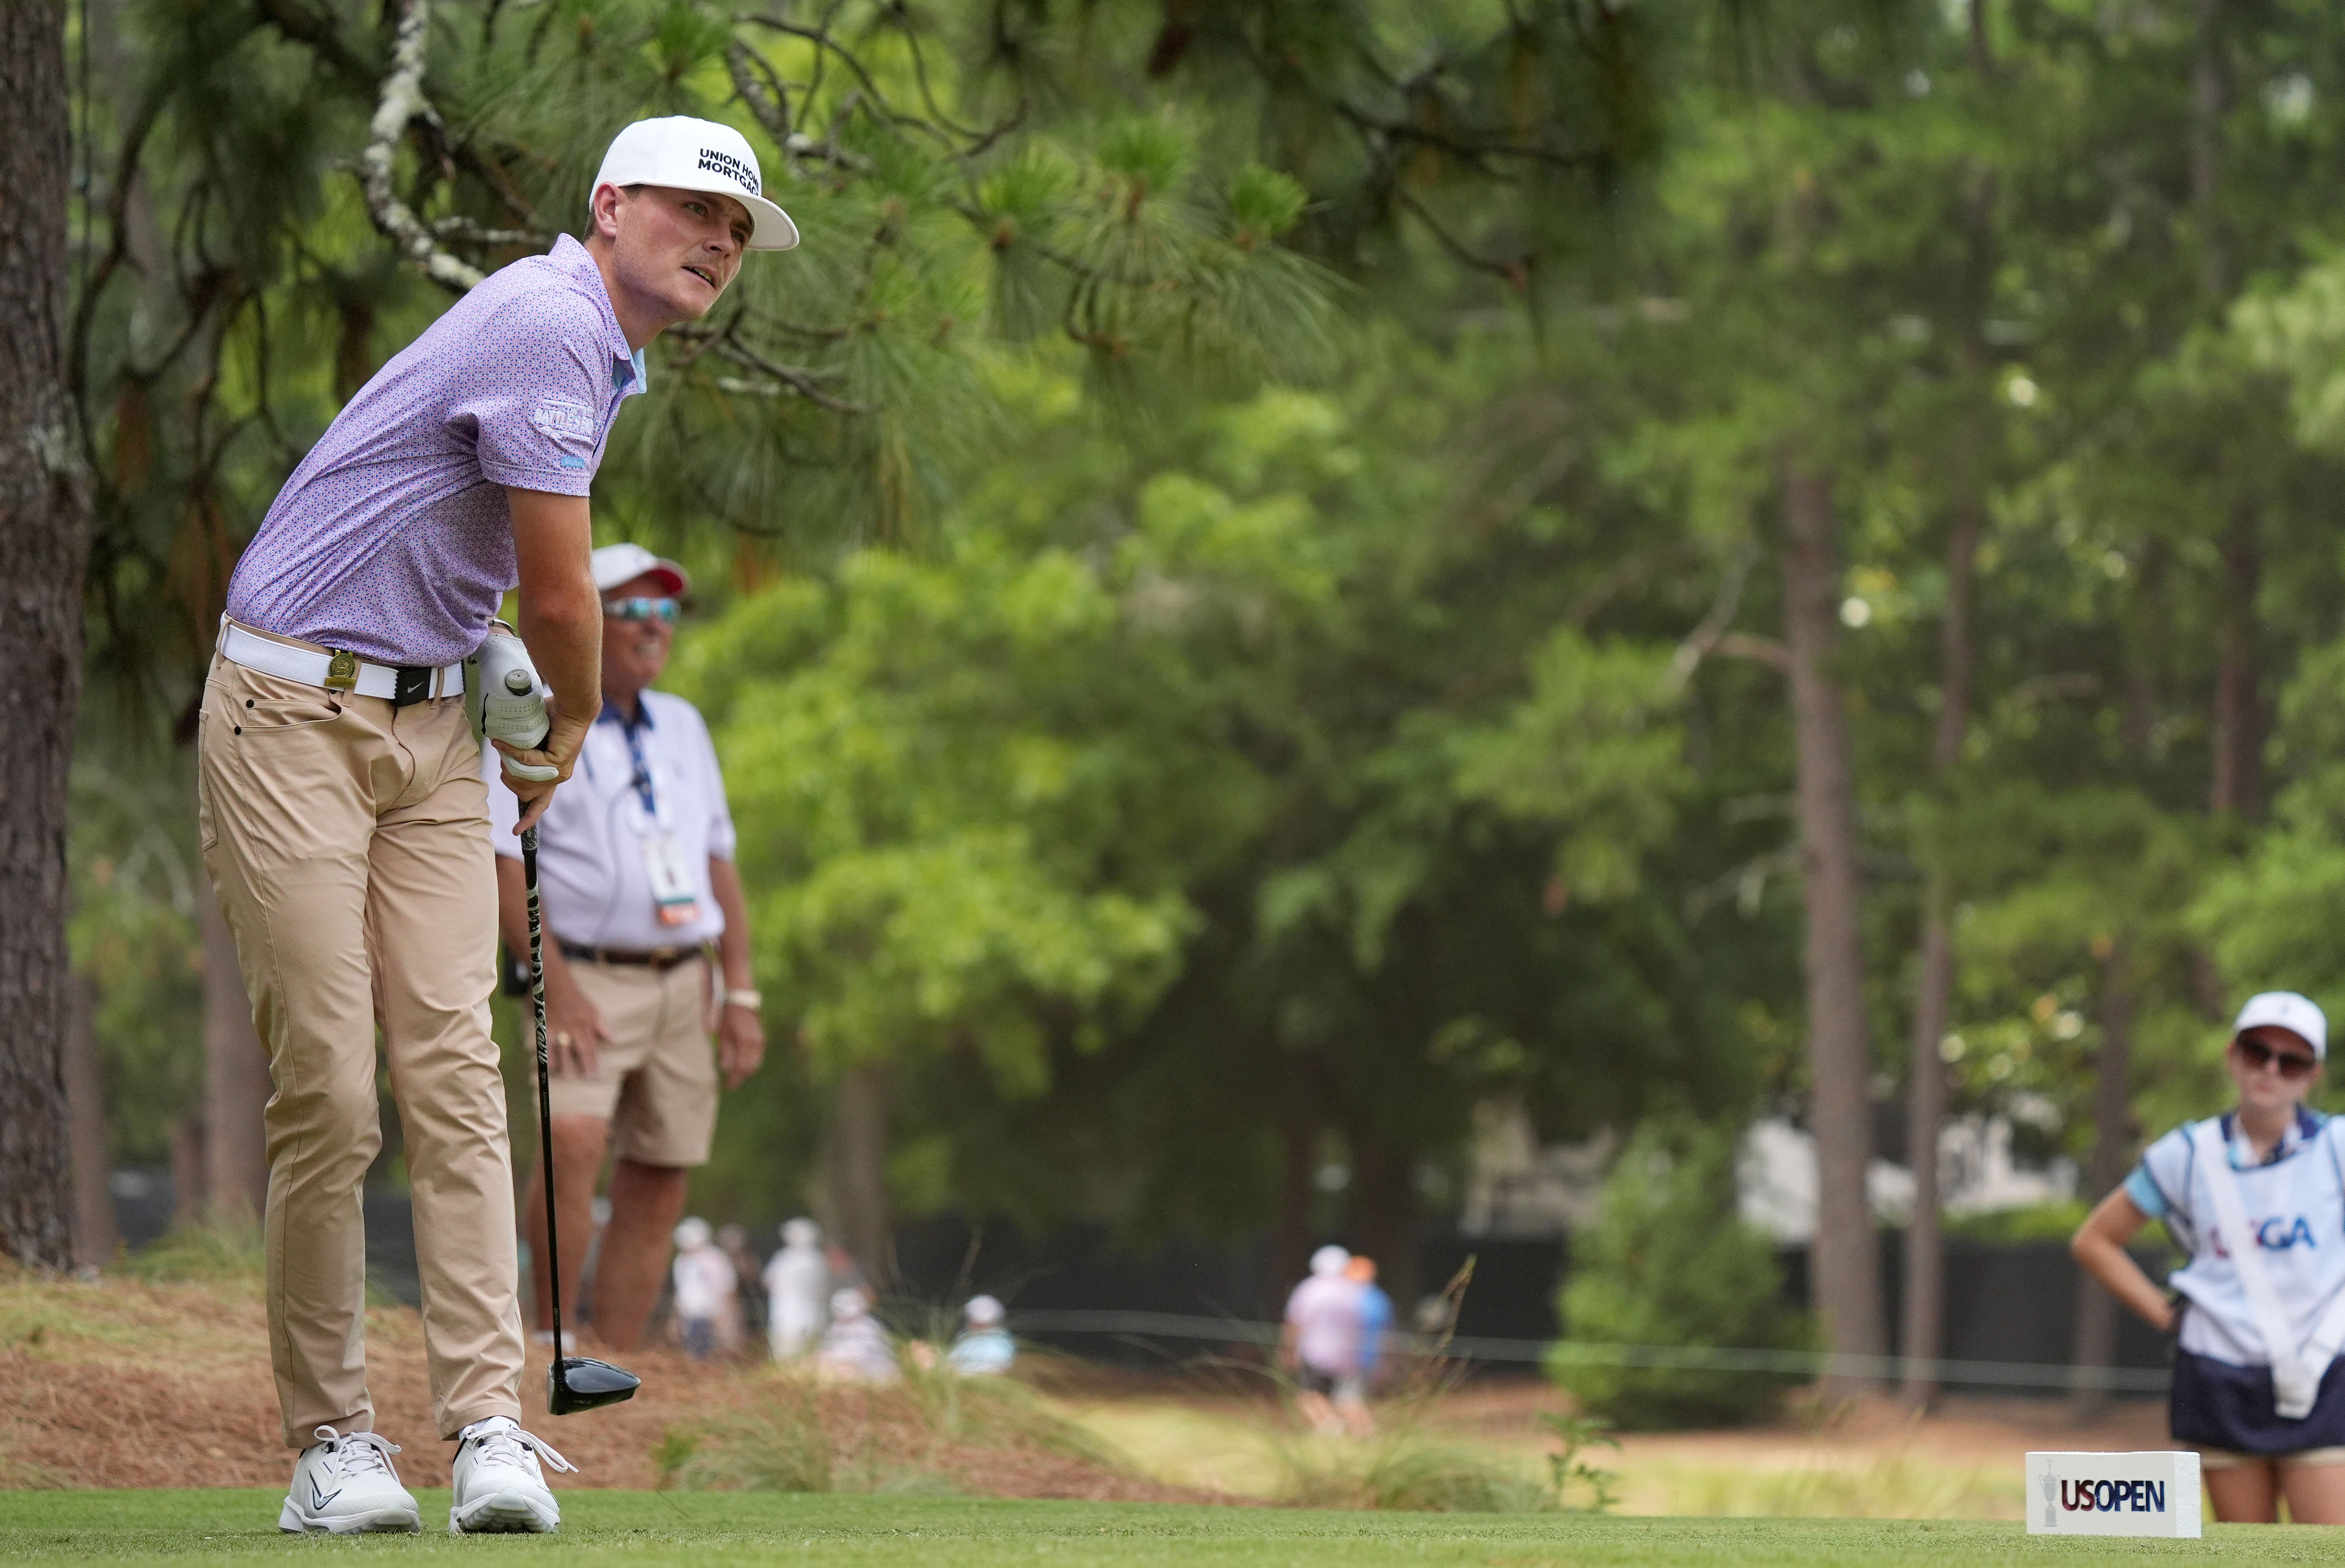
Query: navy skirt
(2219,1405)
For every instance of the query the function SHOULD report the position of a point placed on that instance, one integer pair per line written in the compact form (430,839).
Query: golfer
(343,821)
(2256,1197)
(638,885)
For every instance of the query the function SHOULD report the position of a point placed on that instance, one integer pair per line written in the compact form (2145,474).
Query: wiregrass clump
(224,1248)
(920,1436)
(1407,1470)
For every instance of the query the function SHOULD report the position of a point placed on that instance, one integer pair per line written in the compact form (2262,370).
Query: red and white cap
(616,563)
(685,154)
(2299,1016)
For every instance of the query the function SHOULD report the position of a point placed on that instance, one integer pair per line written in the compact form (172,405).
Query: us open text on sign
(2151,1494)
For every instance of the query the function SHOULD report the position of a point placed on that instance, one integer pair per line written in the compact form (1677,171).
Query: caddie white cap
(616,563)
(685,154)
(2300,1015)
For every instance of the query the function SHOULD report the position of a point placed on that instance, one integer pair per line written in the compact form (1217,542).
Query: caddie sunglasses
(2259,1056)
(642,609)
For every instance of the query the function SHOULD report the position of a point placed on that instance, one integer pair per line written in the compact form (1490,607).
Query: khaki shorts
(655,1080)
(2225,1459)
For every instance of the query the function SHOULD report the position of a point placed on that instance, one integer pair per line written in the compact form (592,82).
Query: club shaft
(545,1095)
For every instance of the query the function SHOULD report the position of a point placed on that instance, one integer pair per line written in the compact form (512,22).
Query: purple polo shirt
(394,539)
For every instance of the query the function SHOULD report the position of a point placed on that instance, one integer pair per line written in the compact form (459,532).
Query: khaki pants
(349,842)
(655,1080)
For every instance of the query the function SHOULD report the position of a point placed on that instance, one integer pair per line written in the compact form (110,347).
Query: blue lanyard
(642,779)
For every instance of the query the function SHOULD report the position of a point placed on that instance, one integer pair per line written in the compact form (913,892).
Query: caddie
(2256,1198)
(343,820)
(637,885)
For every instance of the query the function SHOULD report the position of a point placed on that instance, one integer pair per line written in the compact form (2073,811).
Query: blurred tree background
(1275,579)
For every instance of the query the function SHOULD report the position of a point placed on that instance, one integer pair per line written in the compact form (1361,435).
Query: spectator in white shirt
(637,882)
(855,1348)
(1320,1343)
(797,1291)
(706,1284)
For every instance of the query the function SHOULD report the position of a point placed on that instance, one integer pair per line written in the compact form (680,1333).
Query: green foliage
(1570,1473)
(1668,1264)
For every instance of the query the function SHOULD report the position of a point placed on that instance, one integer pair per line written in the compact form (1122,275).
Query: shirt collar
(613,714)
(573,258)
(2292,1138)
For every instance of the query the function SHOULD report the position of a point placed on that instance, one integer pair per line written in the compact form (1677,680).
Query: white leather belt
(402,685)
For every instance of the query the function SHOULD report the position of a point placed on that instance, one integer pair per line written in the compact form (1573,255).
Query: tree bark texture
(94,1235)
(855,1172)
(44,544)
(236,1078)
(1926,1076)
(191,1173)
(2240,719)
(1289,1244)
(2096,1340)
(1383,1212)
(1846,1257)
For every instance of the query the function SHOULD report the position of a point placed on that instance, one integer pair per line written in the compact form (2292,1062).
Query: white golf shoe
(499,1488)
(344,1484)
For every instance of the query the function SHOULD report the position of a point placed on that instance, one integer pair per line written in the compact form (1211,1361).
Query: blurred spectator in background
(748,1311)
(855,1348)
(1320,1343)
(984,1346)
(1375,1315)
(704,1288)
(797,1290)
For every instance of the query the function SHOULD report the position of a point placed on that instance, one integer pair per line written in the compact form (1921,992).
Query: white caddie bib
(2296,1370)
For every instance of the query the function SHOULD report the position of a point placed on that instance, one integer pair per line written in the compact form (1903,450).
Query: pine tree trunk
(236,1078)
(1925,1076)
(2096,1339)
(2239,782)
(94,1235)
(855,1172)
(1290,1245)
(44,544)
(1846,1256)
(1384,1213)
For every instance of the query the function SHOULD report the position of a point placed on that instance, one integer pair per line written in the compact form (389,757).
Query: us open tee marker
(2151,1494)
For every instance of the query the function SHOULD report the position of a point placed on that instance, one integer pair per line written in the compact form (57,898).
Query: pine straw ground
(122,1382)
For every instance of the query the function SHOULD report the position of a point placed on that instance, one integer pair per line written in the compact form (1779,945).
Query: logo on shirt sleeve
(565,417)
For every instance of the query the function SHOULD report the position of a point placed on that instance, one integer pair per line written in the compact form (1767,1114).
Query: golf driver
(515,705)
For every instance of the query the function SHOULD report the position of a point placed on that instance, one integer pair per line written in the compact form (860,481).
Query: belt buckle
(342,671)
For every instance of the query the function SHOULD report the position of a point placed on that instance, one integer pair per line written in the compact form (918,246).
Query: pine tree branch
(318,33)
(769,101)
(401,103)
(464,231)
(1516,272)
(795,377)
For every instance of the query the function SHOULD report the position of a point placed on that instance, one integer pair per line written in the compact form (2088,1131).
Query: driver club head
(574,1383)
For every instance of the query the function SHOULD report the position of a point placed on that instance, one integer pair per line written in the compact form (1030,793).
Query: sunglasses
(2258,1056)
(641,608)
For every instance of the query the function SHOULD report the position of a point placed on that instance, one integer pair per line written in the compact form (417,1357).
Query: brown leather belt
(660,958)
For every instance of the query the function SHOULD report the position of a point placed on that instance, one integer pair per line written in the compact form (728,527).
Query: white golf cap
(2300,1015)
(983,1310)
(616,563)
(692,1232)
(1329,1260)
(685,154)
